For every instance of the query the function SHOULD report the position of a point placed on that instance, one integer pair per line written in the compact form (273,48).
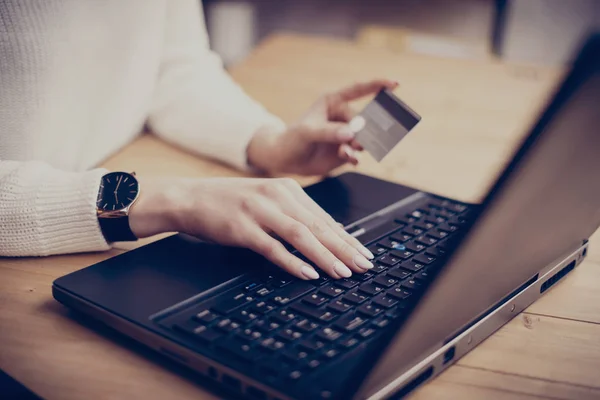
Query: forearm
(46,211)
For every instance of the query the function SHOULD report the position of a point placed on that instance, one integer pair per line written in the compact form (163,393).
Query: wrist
(262,151)
(157,207)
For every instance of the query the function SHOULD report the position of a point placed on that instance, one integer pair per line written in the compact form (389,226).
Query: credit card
(383,123)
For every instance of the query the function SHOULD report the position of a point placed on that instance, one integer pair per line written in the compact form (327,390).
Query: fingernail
(365,252)
(309,272)
(342,270)
(345,133)
(349,153)
(362,262)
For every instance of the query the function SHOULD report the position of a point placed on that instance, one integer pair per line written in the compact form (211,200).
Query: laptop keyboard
(285,326)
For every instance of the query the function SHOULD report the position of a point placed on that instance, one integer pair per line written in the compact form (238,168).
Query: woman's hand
(320,141)
(249,212)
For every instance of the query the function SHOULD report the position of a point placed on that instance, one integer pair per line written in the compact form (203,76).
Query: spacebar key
(231,302)
(292,292)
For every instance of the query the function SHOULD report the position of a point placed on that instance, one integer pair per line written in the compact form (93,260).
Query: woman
(80,79)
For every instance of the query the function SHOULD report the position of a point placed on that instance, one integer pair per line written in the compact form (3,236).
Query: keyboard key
(348,343)
(366,332)
(279,282)
(428,224)
(378,268)
(295,375)
(398,274)
(349,322)
(364,277)
(311,344)
(289,335)
(206,316)
(306,326)
(426,240)
(456,207)
(401,220)
(415,247)
(240,349)
(330,354)
(315,299)
(263,291)
(231,302)
(411,230)
(371,288)
(420,226)
(315,313)
(207,335)
(402,255)
(389,260)
(252,286)
(390,244)
(244,316)
(401,237)
(339,306)
(381,322)
(272,344)
(291,292)
(227,325)
(422,277)
(355,298)
(262,307)
(313,364)
(266,326)
(346,283)
(435,252)
(272,366)
(445,213)
(434,221)
(385,280)
(412,266)
(377,250)
(448,228)
(294,355)
(385,301)
(323,279)
(437,234)
(187,326)
(411,284)
(398,293)
(328,334)
(331,291)
(424,259)
(249,334)
(370,310)
(283,316)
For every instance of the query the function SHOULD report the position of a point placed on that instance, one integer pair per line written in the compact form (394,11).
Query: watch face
(117,191)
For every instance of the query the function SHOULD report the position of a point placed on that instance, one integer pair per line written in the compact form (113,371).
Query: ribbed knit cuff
(48,211)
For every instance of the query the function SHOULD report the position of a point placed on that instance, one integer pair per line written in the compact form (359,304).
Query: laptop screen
(546,203)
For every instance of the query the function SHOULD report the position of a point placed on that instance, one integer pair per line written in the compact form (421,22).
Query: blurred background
(525,31)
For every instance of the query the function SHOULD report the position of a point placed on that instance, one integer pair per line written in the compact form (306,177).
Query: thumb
(331,132)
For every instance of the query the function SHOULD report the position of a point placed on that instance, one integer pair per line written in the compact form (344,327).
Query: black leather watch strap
(117,229)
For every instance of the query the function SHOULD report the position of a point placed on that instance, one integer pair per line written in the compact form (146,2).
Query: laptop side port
(410,386)
(449,354)
(557,276)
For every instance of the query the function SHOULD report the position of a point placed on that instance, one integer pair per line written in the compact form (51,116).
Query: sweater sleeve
(45,211)
(196,104)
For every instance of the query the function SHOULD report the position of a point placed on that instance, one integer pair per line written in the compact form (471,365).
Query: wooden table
(474,113)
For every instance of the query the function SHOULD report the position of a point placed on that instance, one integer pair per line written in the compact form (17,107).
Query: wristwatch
(118,192)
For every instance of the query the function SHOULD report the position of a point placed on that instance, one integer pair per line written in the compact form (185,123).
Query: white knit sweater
(78,80)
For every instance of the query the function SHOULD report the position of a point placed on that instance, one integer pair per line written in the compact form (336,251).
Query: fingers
(304,240)
(311,205)
(359,90)
(348,154)
(275,252)
(331,132)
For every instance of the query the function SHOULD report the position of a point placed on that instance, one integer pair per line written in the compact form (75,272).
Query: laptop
(447,274)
